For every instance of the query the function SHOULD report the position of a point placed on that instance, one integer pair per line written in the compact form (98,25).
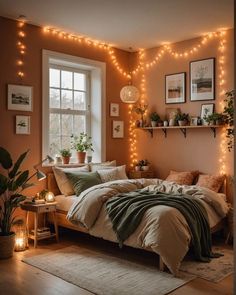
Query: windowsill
(71,165)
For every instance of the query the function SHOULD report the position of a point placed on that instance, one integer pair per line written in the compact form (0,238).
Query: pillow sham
(181,178)
(63,182)
(112,173)
(83,180)
(212,182)
(98,166)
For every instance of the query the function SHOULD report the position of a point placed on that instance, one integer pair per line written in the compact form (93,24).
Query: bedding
(212,182)
(113,173)
(64,203)
(163,229)
(182,178)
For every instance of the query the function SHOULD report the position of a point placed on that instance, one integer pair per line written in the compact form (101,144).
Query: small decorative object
(81,144)
(118,129)
(194,121)
(182,119)
(142,165)
(114,110)
(65,154)
(129,94)
(49,197)
(20,236)
(22,124)
(154,117)
(20,98)
(140,109)
(229,118)
(58,160)
(202,79)
(165,123)
(160,123)
(206,110)
(175,88)
(171,113)
(172,122)
(199,121)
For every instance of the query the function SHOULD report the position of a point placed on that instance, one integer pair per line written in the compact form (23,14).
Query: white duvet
(162,230)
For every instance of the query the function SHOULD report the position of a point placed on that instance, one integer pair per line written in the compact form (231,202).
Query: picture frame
(193,121)
(202,79)
(118,129)
(20,98)
(114,109)
(23,125)
(175,88)
(206,109)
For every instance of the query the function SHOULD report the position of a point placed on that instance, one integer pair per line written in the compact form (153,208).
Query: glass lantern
(49,197)
(20,237)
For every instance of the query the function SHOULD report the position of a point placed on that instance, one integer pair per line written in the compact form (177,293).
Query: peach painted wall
(36,40)
(199,150)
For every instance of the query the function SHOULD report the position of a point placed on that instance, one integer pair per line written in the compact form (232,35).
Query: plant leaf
(27,185)
(5,158)
(21,158)
(21,179)
(3,184)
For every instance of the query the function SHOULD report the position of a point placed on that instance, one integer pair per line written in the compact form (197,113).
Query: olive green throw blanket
(126,212)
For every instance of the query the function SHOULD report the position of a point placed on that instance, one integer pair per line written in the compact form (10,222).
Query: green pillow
(83,180)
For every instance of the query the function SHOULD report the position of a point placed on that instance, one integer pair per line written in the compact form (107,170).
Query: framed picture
(175,88)
(22,124)
(193,121)
(206,110)
(114,109)
(20,98)
(202,79)
(118,129)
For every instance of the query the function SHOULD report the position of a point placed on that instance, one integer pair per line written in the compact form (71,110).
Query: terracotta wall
(199,150)
(36,40)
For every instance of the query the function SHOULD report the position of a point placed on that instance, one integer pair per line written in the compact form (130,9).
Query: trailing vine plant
(229,118)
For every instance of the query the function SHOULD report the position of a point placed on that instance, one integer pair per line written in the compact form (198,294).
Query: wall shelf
(183,129)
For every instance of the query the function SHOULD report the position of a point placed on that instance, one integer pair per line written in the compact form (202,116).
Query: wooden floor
(18,278)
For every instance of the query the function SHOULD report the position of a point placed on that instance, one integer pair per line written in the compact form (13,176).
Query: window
(73,102)
(69,106)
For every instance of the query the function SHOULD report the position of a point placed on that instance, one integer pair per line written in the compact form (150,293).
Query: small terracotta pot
(66,160)
(7,244)
(81,157)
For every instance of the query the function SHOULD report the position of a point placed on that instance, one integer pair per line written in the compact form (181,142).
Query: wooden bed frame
(63,222)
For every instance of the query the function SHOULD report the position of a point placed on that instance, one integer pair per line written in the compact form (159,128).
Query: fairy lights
(21,47)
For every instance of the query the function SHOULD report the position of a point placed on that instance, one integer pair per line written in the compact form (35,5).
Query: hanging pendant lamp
(129,93)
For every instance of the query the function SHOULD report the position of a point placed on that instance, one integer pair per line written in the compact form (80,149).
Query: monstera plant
(12,182)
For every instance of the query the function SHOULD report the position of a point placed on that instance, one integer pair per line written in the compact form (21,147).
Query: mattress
(65,202)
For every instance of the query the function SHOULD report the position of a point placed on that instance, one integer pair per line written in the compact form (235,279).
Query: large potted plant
(12,183)
(81,144)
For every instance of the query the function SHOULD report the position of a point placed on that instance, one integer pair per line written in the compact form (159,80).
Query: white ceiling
(127,23)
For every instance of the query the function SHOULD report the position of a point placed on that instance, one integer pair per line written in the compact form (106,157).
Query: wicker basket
(7,244)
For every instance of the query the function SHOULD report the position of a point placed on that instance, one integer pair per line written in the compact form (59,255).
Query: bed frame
(63,222)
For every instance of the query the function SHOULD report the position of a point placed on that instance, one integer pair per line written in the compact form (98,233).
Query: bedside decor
(206,110)
(49,197)
(202,79)
(22,124)
(175,88)
(114,109)
(20,98)
(118,129)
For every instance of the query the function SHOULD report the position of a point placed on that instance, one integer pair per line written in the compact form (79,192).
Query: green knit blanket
(126,212)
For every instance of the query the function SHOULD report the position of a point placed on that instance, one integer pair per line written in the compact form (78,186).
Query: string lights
(21,47)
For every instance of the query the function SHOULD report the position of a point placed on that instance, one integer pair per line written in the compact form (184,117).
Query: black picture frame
(175,100)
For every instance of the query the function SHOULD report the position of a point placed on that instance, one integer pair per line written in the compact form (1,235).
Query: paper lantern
(129,94)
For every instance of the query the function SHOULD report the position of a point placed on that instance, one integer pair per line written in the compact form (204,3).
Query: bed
(87,214)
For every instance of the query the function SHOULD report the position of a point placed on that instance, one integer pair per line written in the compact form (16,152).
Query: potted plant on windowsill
(182,119)
(12,183)
(65,154)
(81,144)
(154,117)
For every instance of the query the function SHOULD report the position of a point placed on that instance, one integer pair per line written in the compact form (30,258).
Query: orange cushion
(212,182)
(182,178)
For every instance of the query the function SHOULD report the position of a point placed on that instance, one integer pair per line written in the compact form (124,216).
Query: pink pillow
(182,178)
(212,182)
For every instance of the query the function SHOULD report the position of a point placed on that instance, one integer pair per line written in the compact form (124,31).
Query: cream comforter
(163,229)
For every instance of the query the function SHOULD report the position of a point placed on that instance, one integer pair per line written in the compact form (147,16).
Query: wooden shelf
(183,129)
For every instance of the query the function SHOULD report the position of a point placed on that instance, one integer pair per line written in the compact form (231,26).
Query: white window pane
(65,142)
(54,98)
(54,144)
(67,124)
(79,124)
(55,124)
(66,79)
(54,78)
(66,99)
(79,100)
(79,81)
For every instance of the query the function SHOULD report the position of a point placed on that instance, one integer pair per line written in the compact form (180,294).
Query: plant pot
(160,124)
(172,122)
(66,160)
(141,123)
(81,157)
(145,168)
(7,244)
(137,168)
(165,123)
(182,123)
(212,123)
(154,123)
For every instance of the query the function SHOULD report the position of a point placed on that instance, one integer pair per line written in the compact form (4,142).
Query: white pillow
(100,166)
(63,182)
(111,173)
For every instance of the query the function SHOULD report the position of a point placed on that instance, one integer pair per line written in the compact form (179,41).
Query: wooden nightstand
(230,225)
(141,174)
(40,209)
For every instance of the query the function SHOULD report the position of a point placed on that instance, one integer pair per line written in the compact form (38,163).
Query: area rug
(106,275)
(214,271)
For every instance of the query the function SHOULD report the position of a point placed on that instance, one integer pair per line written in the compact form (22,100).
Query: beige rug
(214,271)
(106,275)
